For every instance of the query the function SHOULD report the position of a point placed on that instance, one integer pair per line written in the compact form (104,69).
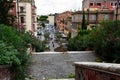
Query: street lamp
(18,15)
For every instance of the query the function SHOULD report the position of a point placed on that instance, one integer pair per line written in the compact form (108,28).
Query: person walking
(53,44)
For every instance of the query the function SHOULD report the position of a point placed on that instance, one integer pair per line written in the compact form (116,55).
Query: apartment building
(34,16)
(51,19)
(27,15)
(92,18)
(63,21)
(99,4)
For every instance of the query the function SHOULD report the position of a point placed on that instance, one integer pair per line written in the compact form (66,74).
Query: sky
(45,7)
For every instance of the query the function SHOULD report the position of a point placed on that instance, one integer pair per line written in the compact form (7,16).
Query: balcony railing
(22,12)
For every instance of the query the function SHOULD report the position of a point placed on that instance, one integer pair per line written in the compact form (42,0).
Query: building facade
(63,21)
(99,4)
(92,19)
(26,13)
(51,19)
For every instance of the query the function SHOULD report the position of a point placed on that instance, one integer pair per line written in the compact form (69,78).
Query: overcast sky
(45,7)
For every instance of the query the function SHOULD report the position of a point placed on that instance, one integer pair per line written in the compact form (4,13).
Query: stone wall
(57,64)
(97,71)
(4,72)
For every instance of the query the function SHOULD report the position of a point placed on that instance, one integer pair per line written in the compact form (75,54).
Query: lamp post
(18,15)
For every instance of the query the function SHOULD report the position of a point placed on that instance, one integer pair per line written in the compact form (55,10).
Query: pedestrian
(53,44)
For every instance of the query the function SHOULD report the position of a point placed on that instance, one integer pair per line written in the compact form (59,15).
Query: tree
(43,25)
(5,17)
(42,18)
(46,35)
(84,25)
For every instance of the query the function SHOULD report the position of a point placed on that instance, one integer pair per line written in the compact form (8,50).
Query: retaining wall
(4,72)
(57,64)
(97,71)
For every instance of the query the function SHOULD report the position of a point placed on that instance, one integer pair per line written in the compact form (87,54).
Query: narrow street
(52,43)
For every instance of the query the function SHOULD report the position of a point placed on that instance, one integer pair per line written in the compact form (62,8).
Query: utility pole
(19,29)
(117,5)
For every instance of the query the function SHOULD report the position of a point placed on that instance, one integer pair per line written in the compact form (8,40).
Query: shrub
(58,35)
(35,42)
(46,35)
(11,37)
(80,40)
(8,55)
(74,42)
(38,45)
(71,75)
(107,42)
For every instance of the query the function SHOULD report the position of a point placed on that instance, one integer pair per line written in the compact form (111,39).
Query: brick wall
(97,71)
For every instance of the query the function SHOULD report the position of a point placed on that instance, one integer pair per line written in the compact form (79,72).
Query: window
(111,4)
(106,17)
(22,9)
(73,18)
(91,4)
(98,4)
(76,17)
(93,17)
(22,20)
(115,4)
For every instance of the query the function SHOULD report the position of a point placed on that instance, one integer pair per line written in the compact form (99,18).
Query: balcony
(34,13)
(92,21)
(22,13)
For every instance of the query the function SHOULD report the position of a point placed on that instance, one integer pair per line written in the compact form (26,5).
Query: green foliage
(71,75)
(8,55)
(10,36)
(5,18)
(73,44)
(83,32)
(58,35)
(80,40)
(15,46)
(43,25)
(84,24)
(107,41)
(98,60)
(69,36)
(42,18)
(46,35)
(36,43)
